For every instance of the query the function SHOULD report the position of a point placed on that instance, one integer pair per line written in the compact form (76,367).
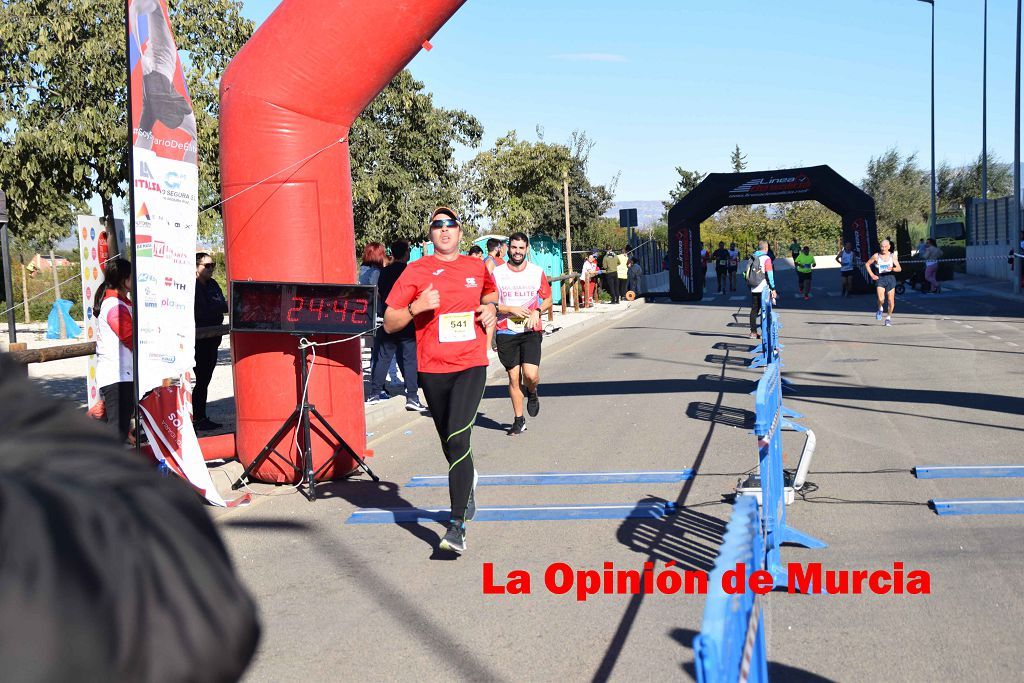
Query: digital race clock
(300,308)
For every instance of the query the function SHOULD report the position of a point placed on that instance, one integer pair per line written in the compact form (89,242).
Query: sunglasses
(445,223)
(209,266)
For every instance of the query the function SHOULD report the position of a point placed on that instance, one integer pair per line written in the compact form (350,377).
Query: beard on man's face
(516,259)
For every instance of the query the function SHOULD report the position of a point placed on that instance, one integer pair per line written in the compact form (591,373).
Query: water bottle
(163,469)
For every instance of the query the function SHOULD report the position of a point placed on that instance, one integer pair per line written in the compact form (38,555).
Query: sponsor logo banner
(771,186)
(165,185)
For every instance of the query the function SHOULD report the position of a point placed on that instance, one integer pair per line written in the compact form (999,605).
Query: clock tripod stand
(300,419)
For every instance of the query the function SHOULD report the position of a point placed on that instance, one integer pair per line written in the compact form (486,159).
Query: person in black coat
(210,310)
(110,572)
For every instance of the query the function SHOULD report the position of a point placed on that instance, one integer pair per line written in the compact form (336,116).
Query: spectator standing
(621,274)
(400,344)
(210,309)
(635,273)
(588,276)
(932,254)
(114,345)
(610,266)
(373,263)
(476,251)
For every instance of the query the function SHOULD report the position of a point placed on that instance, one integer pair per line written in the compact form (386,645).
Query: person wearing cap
(451,300)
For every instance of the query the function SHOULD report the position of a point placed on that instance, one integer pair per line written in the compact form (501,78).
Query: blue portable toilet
(547,253)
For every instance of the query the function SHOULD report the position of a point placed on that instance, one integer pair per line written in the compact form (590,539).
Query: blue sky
(659,84)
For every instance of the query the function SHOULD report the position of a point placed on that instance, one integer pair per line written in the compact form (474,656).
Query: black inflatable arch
(819,183)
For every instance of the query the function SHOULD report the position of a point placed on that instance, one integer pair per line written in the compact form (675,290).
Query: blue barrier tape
(979,506)
(968,471)
(515,513)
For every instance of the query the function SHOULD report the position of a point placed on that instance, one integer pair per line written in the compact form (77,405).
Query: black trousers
(206,361)
(723,278)
(119,401)
(755,310)
(611,283)
(453,399)
(623,284)
(387,346)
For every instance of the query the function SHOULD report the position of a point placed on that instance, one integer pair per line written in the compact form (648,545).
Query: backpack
(755,273)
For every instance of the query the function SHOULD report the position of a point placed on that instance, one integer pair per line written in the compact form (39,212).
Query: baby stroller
(912,274)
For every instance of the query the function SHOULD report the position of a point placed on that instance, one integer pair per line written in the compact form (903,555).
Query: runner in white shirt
(845,260)
(523,295)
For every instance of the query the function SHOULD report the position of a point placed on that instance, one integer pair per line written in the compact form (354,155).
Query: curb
(382,412)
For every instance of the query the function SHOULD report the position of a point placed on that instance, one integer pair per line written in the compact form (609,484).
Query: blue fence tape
(516,513)
(979,506)
(731,644)
(561,478)
(968,471)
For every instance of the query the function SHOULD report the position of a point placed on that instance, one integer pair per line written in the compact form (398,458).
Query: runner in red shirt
(523,296)
(452,300)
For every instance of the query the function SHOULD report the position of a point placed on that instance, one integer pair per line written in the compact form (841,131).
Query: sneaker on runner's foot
(888,322)
(532,404)
(455,538)
(518,426)
(878,315)
(377,398)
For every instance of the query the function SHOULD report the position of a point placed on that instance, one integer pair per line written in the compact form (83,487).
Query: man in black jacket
(210,309)
(110,572)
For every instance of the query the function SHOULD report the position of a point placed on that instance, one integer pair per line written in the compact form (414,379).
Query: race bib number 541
(457,327)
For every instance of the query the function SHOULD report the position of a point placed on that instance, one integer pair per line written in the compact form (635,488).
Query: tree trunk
(56,293)
(24,292)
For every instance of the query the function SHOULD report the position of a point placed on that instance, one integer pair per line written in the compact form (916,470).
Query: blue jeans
(387,347)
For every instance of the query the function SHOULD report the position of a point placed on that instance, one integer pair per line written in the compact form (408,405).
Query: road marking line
(1011,343)
(997,338)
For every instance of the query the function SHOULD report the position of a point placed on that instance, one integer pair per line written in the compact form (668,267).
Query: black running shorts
(519,349)
(886,282)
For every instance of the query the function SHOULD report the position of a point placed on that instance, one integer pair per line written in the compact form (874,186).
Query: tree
(956,185)
(403,161)
(738,160)
(518,185)
(63,103)
(688,181)
(899,188)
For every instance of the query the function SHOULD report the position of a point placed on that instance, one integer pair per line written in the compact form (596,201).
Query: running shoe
(888,322)
(532,404)
(413,404)
(878,315)
(471,505)
(377,398)
(455,538)
(518,426)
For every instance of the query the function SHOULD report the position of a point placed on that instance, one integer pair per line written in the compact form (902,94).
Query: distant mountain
(647,212)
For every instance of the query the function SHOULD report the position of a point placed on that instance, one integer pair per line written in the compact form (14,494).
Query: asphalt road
(664,388)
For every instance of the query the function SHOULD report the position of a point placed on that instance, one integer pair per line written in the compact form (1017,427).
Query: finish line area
(652,412)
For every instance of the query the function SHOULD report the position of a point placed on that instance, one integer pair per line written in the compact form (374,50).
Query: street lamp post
(984,108)
(931,223)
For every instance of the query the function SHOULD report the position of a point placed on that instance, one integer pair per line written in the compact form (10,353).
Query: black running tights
(453,399)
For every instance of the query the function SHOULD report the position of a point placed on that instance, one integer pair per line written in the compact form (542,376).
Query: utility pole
(984,109)
(12,331)
(568,227)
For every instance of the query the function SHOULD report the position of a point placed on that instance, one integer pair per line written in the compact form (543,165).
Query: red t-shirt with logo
(461,283)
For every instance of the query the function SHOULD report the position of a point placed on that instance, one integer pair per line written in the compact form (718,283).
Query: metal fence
(991,221)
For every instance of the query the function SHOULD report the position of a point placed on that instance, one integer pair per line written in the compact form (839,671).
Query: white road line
(997,338)
(967,326)
(981,332)
(1011,343)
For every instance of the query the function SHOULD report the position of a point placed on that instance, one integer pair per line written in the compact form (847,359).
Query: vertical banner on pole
(165,212)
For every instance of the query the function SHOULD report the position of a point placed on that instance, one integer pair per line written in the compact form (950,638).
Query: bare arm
(868,266)
(896,263)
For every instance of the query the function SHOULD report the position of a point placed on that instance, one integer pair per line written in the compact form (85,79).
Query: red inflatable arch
(293,90)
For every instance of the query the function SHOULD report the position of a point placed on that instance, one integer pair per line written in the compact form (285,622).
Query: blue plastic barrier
(731,644)
(769,421)
(768,348)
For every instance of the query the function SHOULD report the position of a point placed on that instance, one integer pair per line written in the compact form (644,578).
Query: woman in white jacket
(113,312)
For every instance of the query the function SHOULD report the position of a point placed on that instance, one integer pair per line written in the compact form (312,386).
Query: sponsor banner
(685,256)
(93,253)
(858,233)
(771,186)
(165,188)
(167,418)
